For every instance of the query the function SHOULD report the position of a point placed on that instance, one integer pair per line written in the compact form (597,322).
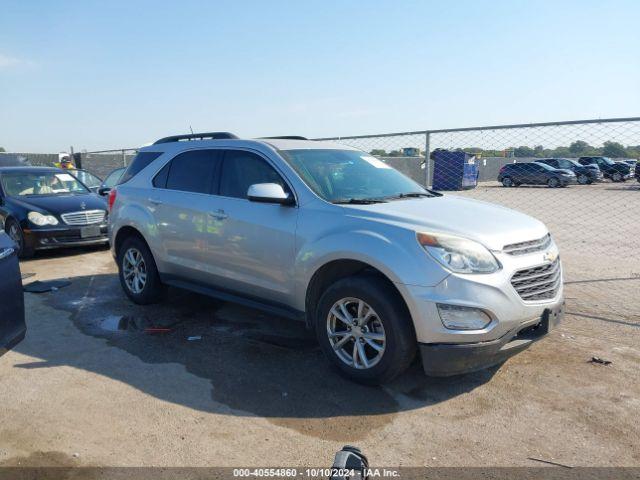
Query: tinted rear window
(192,171)
(140,161)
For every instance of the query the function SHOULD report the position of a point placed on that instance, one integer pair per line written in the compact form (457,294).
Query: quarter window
(242,169)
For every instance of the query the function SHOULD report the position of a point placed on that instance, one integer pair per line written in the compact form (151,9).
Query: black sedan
(616,172)
(585,174)
(43,208)
(516,174)
(12,326)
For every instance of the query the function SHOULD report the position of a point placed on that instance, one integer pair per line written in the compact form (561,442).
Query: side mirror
(269,193)
(104,191)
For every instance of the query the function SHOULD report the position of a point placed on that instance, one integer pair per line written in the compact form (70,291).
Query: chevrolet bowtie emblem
(550,256)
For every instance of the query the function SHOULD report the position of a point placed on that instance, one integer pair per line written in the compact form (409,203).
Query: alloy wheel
(356,333)
(134,270)
(15,235)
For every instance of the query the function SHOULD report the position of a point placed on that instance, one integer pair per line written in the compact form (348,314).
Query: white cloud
(9,62)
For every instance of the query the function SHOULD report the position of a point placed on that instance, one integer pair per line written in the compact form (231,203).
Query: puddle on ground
(127,323)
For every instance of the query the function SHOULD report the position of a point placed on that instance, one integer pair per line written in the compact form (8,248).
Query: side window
(140,161)
(242,169)
(192,171)
(160,180)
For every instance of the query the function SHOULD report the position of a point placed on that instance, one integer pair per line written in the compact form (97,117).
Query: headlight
(41,220)
(458,254)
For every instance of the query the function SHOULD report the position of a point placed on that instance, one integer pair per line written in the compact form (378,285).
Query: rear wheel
(13,229)
(365,330)
(617,177)
(507,182)
(553,182)
(138,272)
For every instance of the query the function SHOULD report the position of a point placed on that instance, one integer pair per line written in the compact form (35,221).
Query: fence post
(124,159)
(427,160)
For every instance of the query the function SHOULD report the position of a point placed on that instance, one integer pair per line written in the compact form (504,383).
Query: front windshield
(23,184)
(89,179)
(113,177)
(608,161)
(343,175)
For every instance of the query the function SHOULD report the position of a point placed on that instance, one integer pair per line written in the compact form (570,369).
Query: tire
(553,182)
(133,250)
(388,316)
(617,177)
(583,179)
(13,229)
(507,182)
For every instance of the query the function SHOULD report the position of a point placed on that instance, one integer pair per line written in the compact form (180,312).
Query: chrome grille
(87,217)
(538,283)
(530,246)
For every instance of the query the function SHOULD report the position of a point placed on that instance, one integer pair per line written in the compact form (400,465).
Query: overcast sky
(115,74)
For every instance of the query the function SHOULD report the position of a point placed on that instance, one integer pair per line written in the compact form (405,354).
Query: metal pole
(427,160)
(124,159)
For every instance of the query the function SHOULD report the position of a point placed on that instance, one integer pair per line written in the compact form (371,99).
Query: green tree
(395,153)
(523,151)
(2,149)
(614,149)
(579,147)
(378,152)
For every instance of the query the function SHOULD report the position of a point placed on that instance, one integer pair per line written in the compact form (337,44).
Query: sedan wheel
(553,182)
(507,182)
(356,333)
(134,270)
(616,177)
(583,179)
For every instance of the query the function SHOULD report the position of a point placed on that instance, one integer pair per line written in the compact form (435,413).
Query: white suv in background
(379,266)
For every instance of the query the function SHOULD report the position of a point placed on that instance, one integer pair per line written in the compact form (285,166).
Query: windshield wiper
(412,195)
(360,201)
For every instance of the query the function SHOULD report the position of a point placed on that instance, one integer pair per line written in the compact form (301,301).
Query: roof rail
(285,137)
(196,136)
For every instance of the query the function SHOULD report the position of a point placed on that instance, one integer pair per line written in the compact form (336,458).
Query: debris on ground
(46,286)
(549,462)
(600,361)
(24,276)
(195,337)
(154,330)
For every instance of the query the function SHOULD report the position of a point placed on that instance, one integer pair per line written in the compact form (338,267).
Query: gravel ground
(90,386)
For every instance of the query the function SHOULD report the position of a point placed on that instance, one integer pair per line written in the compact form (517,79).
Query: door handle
(6,252)
(155,201)
(218,214)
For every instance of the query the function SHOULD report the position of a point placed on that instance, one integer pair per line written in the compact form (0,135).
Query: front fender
(398,256)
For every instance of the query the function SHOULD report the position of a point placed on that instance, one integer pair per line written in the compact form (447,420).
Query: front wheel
(617,177)
(138,272)
(507,182)
(13,229)
(365,329)
(583,179)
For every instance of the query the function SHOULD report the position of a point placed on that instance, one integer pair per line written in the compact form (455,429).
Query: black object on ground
(600,361)
(350,459)
(46,286)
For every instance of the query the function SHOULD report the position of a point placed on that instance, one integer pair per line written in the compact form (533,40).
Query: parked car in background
(516,174)
(90,180)
(585,174)
(111,181)
(616,172)
(378,265)
(44,207)
(637,171)
(12,324)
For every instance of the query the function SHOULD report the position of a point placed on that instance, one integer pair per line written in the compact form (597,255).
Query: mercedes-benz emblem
(83,205)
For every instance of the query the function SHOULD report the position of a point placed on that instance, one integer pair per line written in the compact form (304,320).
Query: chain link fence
(595,219)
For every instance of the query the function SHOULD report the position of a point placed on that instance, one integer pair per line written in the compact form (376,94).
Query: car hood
(492,225)
(59,204)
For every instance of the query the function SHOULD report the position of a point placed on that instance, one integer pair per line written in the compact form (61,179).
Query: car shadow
(257,364)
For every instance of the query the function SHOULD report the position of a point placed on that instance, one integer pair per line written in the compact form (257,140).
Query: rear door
(12,324)
(253,250)
(182,205)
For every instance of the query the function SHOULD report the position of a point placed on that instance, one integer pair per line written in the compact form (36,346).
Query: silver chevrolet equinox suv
(380,267)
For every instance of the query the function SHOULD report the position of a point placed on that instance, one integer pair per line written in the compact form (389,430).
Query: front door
(253,250)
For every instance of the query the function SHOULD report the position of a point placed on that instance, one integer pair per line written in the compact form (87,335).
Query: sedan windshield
(349,176)
(89,179)
(22,184)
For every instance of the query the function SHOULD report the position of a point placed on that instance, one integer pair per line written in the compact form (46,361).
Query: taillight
(112,198)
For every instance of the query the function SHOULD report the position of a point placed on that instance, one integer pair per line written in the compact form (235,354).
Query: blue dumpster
(454,170)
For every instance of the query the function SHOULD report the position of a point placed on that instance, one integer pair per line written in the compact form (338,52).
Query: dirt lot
(89,386)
